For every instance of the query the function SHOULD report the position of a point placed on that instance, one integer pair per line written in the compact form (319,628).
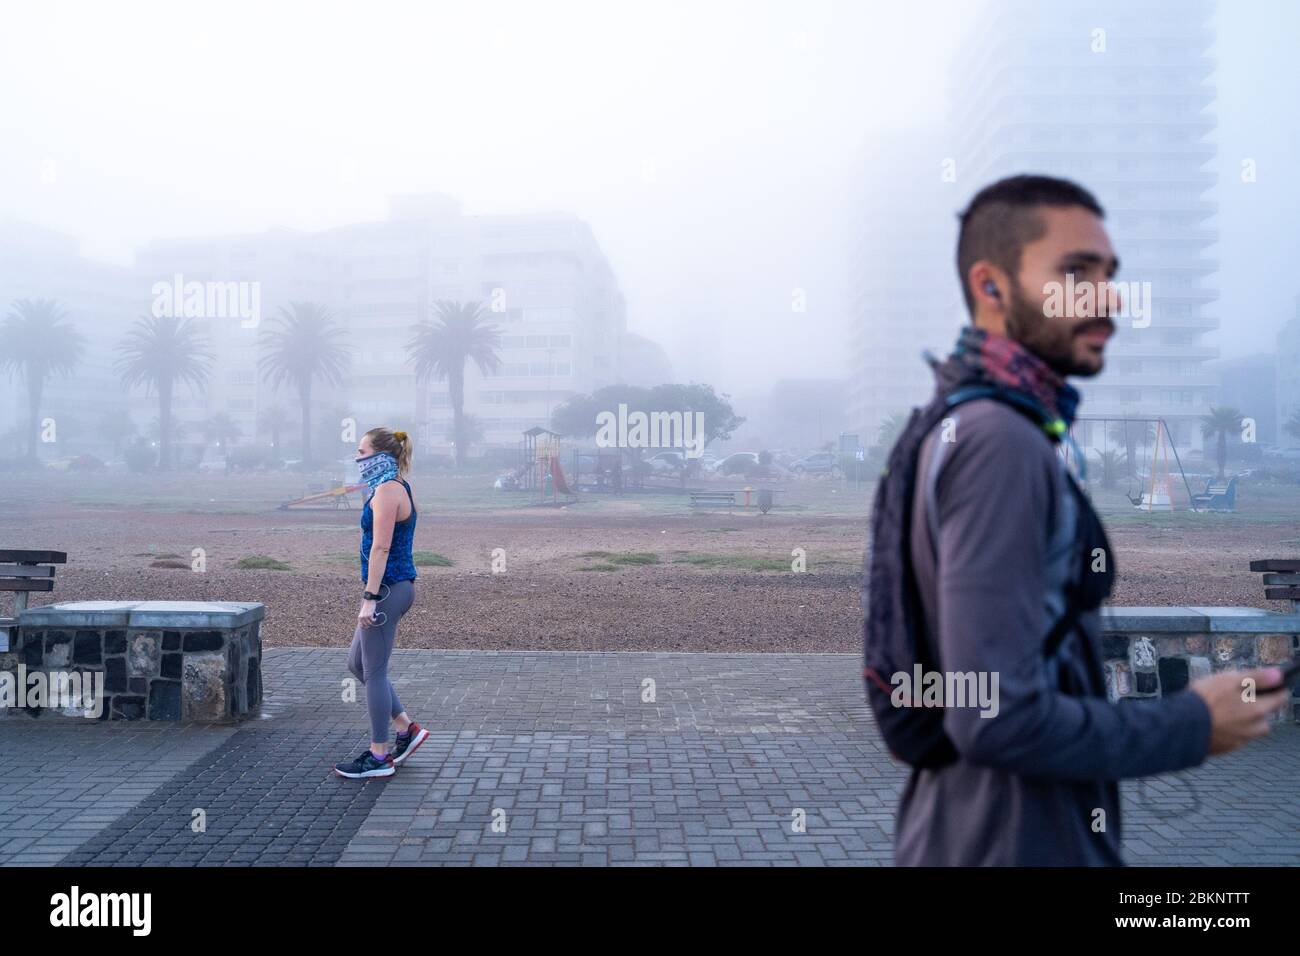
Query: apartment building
(904,297)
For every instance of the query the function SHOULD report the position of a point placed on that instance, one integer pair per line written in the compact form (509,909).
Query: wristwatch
(369,597)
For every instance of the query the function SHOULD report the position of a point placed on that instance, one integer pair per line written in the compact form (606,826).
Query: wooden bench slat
(1289,579)
(26,571)
(1276,564)
(12,556)
(27,584)
(1282,594)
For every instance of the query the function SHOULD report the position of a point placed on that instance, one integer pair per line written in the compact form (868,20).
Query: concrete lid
(144,614)
(1198,620)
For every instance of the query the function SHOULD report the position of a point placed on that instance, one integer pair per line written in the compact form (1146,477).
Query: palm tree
(304,345)
(1220,422)
(272,419)
(158,352)
(37,340)
(440,348)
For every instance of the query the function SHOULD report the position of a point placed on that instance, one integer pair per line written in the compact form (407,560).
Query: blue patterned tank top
(401,561)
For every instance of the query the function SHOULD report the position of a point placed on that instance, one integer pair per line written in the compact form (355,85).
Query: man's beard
(1051,341)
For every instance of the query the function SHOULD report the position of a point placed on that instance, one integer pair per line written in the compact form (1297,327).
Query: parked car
(819,463)
(739,463)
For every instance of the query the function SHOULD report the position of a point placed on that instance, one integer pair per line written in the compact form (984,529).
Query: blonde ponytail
(396,443)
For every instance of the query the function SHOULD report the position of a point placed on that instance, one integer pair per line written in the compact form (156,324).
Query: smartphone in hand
(1289,678)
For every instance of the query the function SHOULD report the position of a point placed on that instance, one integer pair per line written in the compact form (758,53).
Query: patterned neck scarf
(377,468)
(981,355)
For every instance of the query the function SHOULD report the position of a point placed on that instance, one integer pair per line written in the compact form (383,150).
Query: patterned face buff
(377,468)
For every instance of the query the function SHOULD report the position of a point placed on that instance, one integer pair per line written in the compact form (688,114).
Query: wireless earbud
(991,288)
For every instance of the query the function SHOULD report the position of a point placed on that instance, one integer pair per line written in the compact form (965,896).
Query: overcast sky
(707,143)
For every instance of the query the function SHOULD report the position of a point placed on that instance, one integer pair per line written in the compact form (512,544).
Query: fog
(715,149)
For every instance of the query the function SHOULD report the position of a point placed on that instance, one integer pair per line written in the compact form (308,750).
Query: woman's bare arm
(384,506)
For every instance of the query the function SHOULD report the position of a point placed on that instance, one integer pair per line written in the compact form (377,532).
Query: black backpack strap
(1064,624)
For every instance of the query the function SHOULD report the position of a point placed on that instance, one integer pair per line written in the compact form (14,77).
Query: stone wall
(159,660)
(1150,651)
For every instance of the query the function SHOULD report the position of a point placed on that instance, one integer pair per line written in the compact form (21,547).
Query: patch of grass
(626,558)
(599,567)
(169,563)
(261,562)
(430,559)
(744,562)
(635,557)
(702,560)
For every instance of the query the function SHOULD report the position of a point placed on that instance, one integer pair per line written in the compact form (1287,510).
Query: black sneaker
(406,744)
(367,765)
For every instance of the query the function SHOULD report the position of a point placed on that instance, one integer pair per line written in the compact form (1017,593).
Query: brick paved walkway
(544,758)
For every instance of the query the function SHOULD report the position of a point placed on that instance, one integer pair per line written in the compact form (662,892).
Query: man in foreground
(987,559)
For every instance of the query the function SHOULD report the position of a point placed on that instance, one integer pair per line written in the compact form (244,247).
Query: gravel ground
(564,586)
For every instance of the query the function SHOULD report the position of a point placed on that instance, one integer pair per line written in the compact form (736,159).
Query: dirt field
(631,573)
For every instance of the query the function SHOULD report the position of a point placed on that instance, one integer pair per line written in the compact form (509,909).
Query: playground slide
(557,475)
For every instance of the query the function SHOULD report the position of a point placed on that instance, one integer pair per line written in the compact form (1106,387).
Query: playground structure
(1156,489)
(541,472)
(336,496)
(545,467)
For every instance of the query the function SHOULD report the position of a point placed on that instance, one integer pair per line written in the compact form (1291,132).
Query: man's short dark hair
(1003,218)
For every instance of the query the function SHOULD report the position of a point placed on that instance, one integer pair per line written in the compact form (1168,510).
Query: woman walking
(388,574)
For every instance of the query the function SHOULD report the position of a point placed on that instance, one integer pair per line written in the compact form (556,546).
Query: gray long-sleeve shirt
(1035,784)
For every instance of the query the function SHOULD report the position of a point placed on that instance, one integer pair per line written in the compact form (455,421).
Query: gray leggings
(369,653)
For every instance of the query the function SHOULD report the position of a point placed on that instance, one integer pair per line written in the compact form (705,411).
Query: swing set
(1155,489)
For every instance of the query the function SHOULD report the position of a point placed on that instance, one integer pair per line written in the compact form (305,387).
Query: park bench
(1217,496)
(1281,580)
(701,498)
(23,572)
